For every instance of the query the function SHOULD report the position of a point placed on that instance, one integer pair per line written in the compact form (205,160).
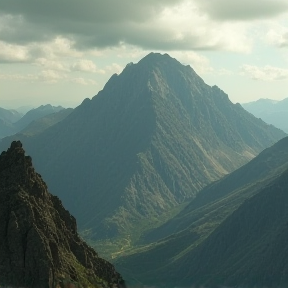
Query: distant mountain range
(270,111)
(10,116)
(12,122)
(231,234)
(148,142)
(36,114)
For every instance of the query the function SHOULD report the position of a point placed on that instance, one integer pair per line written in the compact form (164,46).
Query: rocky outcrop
(39,244)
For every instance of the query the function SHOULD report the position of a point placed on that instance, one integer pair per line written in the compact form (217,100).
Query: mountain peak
(16,167)
(157,58)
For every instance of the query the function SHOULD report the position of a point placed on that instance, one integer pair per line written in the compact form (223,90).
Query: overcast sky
(62,51)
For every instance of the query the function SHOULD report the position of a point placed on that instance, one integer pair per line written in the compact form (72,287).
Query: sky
(63,51)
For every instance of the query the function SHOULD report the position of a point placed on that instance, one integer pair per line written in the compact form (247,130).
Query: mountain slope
(271,111)
(250,247)
(150,140)
(40,246)
(35,114)
(165,250)
(7,118)
(41,124)
(12,122)
(10,116)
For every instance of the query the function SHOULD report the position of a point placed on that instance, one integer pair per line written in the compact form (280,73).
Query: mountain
(7,118)
(148,142)
(10,116)
(12,122)
(6,128)
(250,247)
(187,250)
(40,246)
(24,109)
(35,114)
(41,124)
(270,111)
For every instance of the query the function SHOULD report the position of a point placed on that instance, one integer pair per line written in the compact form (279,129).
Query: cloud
(278,36)
(151,25)
(13,53)
(266,73)
(51,76)
(39,52)
(242,9)
(114,68)
(51,64)
(85,65)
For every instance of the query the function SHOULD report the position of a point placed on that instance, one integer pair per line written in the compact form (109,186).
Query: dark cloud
(93,11)
(243,9)
(89,22)
(95,23)
(104,23)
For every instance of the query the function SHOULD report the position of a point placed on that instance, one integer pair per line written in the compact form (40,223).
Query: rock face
(39,244)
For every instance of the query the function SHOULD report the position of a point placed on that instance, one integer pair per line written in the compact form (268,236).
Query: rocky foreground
(39,243)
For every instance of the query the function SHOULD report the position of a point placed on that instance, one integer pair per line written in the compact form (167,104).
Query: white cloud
(266,73)
(85,65)
(244,10)
(13,53)
(51,64)
(55,48)
(51,76)
(278,36)
(113,68)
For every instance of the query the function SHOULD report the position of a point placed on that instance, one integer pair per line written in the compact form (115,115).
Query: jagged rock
(39,244)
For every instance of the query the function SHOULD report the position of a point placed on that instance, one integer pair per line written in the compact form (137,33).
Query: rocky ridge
(39,243)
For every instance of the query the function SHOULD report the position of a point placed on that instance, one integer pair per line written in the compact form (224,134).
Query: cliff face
(39,244)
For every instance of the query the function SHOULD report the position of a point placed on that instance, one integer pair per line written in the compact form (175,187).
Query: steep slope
(150,140)
(39,244)
(171,244)
(250,248)
(271,111)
